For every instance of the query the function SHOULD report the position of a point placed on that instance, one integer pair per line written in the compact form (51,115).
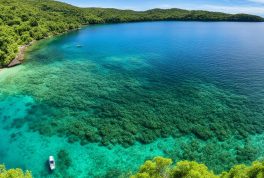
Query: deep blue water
(112,96)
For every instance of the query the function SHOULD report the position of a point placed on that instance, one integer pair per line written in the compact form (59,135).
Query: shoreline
(20,55)
(23,49)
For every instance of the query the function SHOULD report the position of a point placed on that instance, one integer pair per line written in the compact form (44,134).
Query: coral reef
(126,95)
(218,156)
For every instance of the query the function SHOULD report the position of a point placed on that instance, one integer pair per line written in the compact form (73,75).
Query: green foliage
(13,173)
(162,168)
(8,45)
(157,168)
(24,21)
(186,169)
(256,170)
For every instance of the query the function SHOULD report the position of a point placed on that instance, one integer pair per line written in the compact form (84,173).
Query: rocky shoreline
(20,55)
(22,50)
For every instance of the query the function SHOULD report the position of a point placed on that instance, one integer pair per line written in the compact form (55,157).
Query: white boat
(51,163)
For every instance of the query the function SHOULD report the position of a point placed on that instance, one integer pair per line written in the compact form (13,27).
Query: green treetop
(13,173)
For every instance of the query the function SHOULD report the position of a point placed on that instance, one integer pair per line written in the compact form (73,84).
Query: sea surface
(105,98)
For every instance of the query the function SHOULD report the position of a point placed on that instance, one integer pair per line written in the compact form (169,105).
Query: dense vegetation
(13,173)
(162,168)
(24,21)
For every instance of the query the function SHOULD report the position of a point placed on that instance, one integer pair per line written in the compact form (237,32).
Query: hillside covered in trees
(24,21)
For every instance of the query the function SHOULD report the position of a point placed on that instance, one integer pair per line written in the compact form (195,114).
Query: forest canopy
(24,21)
(161,167)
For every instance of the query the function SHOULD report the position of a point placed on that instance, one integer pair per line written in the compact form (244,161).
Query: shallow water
(105,98)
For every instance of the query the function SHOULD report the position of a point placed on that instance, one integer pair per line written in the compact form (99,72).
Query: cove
(104,99)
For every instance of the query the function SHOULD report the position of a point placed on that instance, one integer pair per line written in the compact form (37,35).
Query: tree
(256,170)
(191,169)
(157,168)
(13,173)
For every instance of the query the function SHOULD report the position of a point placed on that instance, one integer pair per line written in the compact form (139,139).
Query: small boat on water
(52,163)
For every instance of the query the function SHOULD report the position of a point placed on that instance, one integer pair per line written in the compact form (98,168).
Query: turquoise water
(104,99)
